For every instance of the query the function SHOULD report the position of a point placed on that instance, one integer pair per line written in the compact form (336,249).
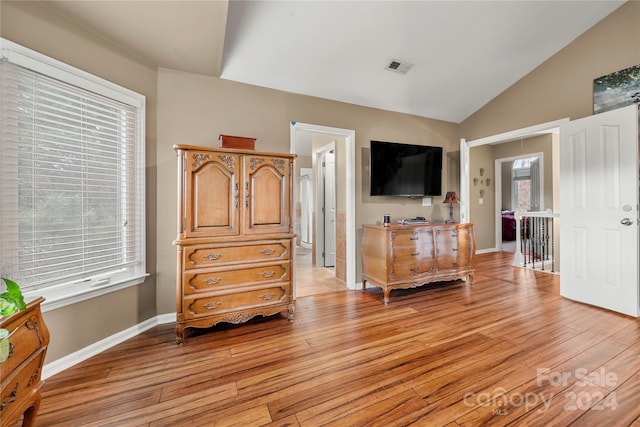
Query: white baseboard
(486,251)
(72,359)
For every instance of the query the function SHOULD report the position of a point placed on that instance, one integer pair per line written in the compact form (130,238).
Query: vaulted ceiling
(461,54)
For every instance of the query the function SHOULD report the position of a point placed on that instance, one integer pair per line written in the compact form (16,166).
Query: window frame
(67,293)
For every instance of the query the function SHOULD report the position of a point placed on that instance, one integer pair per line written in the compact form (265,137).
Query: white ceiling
(464,53)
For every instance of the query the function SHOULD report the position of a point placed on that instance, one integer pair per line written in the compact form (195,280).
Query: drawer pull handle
(12,397)
(414,269)
(415,253)
(267,251)
(212,257)
(212,305)
(414,238)
(267,297)
(267,274)
(213,280)
(454,249)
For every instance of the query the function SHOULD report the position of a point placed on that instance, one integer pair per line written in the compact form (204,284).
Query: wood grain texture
(439,355)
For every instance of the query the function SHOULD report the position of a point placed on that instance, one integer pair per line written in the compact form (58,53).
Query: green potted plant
(11,301)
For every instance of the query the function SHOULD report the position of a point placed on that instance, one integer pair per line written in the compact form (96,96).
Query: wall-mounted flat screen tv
(405,169)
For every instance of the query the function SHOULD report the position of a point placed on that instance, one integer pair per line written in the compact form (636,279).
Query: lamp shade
(451,197)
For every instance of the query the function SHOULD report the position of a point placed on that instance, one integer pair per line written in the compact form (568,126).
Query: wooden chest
(406,256)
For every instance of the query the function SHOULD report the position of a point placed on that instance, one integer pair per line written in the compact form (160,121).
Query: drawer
(207,256)
(411,270)
(210,305)
(411,238)
(226,278)
(17,385)
(25,341)
(446,238)
(410,254)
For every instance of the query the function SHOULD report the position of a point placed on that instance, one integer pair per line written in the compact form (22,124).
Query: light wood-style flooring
(312,280)
(507,351)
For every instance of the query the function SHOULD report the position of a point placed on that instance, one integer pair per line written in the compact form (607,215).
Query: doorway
(465,174)
(302,136)
(519,188)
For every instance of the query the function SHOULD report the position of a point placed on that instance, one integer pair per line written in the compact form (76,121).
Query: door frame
(465,176)
(350,138)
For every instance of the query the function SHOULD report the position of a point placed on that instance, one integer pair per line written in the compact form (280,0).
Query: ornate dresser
(234,236)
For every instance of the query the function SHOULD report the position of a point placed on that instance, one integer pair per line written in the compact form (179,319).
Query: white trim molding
(83,354)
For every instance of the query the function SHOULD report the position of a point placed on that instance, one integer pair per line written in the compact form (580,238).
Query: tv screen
(405,169)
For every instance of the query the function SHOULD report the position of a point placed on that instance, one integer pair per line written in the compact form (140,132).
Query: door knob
(626,221)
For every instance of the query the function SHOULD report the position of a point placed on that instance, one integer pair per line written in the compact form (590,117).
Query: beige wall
(34,26)
(482,214)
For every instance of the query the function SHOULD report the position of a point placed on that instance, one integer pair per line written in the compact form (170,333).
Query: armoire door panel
(266,199)
(212,195)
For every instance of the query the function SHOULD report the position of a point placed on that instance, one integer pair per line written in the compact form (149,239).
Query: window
(525,178)
(72,190)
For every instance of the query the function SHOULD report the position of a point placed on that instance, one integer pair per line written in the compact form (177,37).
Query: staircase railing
(536,240)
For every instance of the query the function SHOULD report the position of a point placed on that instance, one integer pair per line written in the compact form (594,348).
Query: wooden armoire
(235,236)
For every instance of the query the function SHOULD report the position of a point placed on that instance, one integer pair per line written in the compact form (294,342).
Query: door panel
(599,210)
(207,177)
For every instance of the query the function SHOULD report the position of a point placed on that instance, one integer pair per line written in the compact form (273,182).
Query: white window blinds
(72,191)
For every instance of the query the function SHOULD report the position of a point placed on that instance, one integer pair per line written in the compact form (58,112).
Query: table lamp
(451,198)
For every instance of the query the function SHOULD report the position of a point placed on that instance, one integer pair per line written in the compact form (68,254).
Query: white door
(599,210)
(329,209)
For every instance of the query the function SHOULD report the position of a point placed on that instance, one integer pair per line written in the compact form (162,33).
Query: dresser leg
(179,334)
(386,292)
(29,416)
(290,310)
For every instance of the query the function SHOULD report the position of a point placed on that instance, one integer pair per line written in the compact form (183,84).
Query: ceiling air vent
(399,66)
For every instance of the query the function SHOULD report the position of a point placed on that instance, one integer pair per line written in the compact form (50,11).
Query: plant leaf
(11,300)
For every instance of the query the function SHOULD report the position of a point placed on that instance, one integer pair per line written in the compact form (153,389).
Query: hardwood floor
(508,350)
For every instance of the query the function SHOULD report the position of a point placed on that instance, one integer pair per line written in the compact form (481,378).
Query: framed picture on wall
(616,90)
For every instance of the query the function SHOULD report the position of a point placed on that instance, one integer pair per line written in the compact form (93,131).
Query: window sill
(61,296)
